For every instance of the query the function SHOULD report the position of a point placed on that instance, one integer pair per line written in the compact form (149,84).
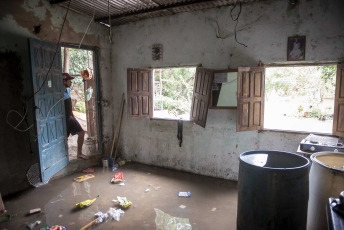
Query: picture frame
(296,48)
(157,52)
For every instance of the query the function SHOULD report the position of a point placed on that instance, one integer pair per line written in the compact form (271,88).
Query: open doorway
(83,95)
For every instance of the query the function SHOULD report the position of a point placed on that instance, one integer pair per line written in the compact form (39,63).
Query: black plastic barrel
(273,190)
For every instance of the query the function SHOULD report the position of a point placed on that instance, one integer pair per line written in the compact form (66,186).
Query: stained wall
(207,37)
(18,18)
(203,37)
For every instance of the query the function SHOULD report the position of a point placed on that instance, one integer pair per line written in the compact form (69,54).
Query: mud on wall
(207,38)
(20,20)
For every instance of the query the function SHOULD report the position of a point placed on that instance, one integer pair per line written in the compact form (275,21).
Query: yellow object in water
(86,203)
(124,202)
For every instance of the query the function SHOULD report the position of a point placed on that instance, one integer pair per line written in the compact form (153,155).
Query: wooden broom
(116,125)
(119,130)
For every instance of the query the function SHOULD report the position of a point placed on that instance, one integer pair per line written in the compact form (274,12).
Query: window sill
(293,132)
(168,119)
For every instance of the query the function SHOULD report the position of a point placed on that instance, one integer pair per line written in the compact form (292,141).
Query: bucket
(90,147)
(105,163)
(326,179)
(272,190)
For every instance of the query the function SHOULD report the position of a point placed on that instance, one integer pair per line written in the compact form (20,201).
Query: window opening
(300,98)
(173,90)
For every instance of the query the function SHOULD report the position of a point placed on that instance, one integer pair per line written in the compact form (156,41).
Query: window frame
(140,94)
(338,118)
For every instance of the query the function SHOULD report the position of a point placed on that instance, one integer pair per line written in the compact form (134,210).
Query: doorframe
(96,72)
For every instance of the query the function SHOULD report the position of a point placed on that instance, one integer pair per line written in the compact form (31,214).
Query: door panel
(50,113)
(201,94)
(250,109)
(338,117)
(140,93)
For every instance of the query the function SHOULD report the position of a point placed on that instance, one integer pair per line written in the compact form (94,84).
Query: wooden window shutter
(200,98)
(338,117)
(250,109)
(140,93)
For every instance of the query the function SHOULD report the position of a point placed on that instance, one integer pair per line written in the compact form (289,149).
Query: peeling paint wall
(207,38)
(17,21)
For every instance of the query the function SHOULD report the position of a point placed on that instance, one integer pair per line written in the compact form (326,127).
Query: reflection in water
(259,159)
(87,187)
(64,203)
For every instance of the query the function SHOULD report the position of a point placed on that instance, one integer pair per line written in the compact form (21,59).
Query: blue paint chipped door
(49,106)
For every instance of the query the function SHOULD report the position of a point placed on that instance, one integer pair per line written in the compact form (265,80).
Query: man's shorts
(73,126)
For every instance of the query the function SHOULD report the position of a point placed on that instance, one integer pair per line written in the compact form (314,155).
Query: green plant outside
(177,89)
(314,83)
(80,107)
(79,59)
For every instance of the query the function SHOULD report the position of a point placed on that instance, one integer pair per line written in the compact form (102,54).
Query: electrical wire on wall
(236,19)
(57,48)
(22,119)
(110,35)
(94,12)
(39,89)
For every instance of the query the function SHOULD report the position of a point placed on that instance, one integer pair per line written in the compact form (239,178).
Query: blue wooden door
(50,111)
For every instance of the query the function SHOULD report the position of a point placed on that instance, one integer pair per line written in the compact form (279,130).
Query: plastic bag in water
(165,221)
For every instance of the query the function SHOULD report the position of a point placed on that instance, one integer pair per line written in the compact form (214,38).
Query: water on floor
(212,204)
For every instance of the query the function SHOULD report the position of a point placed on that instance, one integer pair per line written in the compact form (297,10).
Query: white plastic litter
(113,214)
(32,225)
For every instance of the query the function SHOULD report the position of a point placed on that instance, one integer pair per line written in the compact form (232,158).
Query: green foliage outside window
(309,85)
(177,89)
(300,81)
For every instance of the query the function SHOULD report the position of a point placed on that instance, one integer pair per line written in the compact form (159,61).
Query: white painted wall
(190,38)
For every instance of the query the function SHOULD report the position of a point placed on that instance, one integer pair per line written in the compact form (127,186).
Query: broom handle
(119,131)
(114,136)
(89,224)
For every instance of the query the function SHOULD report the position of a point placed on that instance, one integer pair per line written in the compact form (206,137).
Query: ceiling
(124,11)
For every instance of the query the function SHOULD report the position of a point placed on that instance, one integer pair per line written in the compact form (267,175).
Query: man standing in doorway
(73,126)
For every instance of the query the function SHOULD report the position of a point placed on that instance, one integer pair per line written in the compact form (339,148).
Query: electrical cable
(236,20)
(46,77)
(22,118)
(57,48)
(110,39)
(94,11)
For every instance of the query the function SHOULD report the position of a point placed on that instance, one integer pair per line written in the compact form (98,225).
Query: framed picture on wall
(296,48)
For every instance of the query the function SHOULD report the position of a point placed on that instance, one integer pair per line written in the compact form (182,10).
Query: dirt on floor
(153,191)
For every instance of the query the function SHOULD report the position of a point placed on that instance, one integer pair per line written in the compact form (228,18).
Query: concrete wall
(195,38)
(17,20)
(188,39)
